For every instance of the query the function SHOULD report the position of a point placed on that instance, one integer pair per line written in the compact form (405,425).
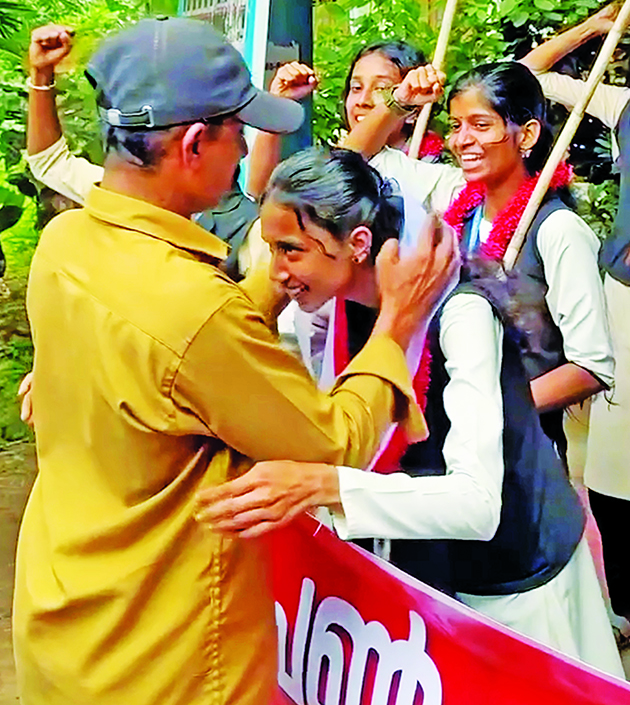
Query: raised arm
(47,153)
(295,81)
(543,57)
(49,45)
(420,86)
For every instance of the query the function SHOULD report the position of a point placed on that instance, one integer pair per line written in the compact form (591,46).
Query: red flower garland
(432,145)
(505,222)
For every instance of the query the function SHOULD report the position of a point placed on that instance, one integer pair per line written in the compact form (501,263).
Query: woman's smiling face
(486,148)
(307,261)
(370,75)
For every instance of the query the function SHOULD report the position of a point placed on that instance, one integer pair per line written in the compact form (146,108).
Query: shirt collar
(144,217)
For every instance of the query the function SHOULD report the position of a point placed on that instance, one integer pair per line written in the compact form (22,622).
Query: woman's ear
(360,241)
(530,134)
(191,142)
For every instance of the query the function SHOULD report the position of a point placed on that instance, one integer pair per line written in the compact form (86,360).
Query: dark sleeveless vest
(541,516)
(615,247)
(528,282)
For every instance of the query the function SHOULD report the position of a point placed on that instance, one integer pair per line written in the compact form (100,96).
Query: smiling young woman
(500,138)
(324,217)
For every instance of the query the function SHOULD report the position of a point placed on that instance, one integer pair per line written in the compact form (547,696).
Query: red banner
(355,631)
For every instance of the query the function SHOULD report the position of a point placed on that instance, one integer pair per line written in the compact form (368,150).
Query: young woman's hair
(337,190)
(513,92)
(401,54)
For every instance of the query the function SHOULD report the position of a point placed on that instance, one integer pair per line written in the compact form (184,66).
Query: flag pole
(438,63)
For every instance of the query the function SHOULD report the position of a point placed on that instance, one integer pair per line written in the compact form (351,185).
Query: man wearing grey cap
(156,376)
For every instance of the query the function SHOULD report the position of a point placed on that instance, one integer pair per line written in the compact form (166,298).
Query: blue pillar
(292,21)
(282,23)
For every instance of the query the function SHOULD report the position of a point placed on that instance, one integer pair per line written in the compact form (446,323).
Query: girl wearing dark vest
(486,493)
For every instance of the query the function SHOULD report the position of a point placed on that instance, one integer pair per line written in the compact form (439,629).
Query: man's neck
(150,185)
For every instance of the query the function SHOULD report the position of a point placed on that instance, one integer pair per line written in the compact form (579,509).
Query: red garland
(431,146)
(505,222)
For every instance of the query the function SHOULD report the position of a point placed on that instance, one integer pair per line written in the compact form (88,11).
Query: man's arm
(295,81)
(543,57)
(463,504)
(261,401)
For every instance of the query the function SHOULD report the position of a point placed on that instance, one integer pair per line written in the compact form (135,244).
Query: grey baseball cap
(168,71)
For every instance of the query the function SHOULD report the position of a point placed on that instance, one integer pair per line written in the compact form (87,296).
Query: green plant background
(484,30)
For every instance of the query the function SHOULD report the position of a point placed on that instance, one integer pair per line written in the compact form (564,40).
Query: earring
(525,153)
(357,260)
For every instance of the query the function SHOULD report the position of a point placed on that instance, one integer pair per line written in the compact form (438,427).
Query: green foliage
(597,204)
(16,358)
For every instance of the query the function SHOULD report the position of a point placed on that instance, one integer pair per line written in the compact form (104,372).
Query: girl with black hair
(500,139)
(376,68)
(374,72)
(485,496)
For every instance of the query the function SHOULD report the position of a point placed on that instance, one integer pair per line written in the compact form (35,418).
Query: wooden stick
(565,136)
(438,62)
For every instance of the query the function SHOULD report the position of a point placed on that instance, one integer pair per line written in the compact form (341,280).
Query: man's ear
(191,142)
(360,241)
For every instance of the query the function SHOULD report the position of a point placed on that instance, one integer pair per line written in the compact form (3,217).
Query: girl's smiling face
(370,75)
(486,148)
(307,261)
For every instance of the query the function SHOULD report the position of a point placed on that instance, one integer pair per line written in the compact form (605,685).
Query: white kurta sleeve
(61,171)
(606,104)
(568,248)
(465,503)
(434,185)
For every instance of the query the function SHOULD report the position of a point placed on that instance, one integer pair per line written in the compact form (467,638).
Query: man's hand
(25,394)
(420,86)
(413,286)
(49,45)
(294,80)
(267,497)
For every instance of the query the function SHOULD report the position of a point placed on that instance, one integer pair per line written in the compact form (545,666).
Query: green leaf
(23,184)
(508,6)
(519,18)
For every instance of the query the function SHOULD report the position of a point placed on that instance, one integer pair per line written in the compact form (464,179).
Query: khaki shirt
(155,376)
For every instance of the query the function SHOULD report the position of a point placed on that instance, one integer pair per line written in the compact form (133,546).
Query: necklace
(505,222)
